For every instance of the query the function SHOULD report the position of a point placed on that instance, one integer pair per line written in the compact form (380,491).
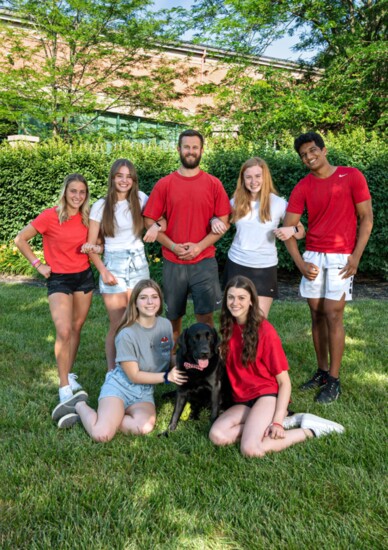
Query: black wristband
(158,224)
(165,376)
(296,229)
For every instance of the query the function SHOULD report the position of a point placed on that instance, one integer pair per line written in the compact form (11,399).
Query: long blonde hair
(63,214)
(131,313)
(107,228)
(242,196)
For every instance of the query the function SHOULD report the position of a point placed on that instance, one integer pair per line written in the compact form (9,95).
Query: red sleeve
(156,204)
(273,355)
(222,203)
(297,201)
(41,222)
(360,190)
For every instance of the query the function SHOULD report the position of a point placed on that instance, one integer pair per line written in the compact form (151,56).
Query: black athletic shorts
(265,279)
(67,283)
(200,280)
(251,402)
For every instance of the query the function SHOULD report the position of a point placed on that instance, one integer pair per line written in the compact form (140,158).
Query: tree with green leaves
(63,61)
(348,36)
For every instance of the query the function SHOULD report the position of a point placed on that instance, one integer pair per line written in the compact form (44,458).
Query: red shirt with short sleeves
(331,209)
(188,204)
(258,378)
(62,242)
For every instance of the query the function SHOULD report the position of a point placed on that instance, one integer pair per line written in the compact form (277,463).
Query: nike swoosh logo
(342,175)
(218,302)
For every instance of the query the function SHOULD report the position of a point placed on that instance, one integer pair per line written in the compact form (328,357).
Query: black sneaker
(330,391)
(318,379)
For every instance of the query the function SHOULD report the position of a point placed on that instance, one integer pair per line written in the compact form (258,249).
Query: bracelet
(38,266)
(296,229)
(277,424)
(172,247)
(213,218)
(165,377)
(158,225)
(36,261)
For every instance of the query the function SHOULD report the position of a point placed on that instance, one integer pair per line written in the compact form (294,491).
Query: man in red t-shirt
(334,197)
(188,199)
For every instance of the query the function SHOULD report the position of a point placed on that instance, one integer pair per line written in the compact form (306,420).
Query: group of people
(187,212)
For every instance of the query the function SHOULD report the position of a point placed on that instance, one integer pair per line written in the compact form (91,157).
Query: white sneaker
(65,393)
(320,426)
(68,420)
(75,386)
(67,407)
(293,421)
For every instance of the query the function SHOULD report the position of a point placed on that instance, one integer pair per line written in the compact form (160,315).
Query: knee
(102,434)
(334,317)
(63,333)
(146,428)
(218,437)
(252,451)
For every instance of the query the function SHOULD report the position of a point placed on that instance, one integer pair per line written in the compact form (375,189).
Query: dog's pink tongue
(203,363)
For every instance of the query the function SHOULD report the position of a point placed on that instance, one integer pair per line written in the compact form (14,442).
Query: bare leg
(81,306)
(334,312)
(103,424)
(115,305)
(206,318)
(265,303)
(253,442)
(320,331)
(139,419)
(228,427)
(176,330)
(61,308)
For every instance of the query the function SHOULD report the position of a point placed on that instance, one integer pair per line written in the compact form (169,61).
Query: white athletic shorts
(328,283)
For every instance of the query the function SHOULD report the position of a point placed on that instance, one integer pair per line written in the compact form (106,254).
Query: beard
(190,161)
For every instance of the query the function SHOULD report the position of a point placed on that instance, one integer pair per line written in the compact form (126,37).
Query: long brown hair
(131,313)
(107,228)
(255,317)
(62,212)
(242,196)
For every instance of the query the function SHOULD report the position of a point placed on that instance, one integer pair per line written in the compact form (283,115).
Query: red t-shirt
(257,378)
(188,204)
(62,242)
(330,203)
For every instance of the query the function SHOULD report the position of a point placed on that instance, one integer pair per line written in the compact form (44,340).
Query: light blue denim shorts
(118,385)
(128,266)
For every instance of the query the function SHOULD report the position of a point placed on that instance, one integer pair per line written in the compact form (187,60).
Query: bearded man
(188,199)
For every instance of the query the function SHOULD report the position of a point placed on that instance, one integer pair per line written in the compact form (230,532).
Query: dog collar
(202,364)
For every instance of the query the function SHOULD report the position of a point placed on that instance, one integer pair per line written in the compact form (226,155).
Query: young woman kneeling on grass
(257,370)
(143,355)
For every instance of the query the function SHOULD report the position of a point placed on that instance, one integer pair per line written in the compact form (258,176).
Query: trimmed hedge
(30,179)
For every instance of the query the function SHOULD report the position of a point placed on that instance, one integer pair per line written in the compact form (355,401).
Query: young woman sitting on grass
(257,368)
(67,270)
(143,355)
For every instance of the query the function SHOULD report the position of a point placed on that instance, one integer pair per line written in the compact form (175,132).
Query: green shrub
(30,179)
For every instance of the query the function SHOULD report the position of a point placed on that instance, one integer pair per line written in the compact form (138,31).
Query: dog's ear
(182,344)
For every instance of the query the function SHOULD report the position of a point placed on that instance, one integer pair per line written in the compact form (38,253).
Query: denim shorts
(67,283)
(128,266)
(117,384)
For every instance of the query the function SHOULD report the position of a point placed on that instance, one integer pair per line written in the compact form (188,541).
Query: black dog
(197,356)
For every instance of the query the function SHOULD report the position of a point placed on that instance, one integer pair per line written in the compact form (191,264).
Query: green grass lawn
(58,489)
